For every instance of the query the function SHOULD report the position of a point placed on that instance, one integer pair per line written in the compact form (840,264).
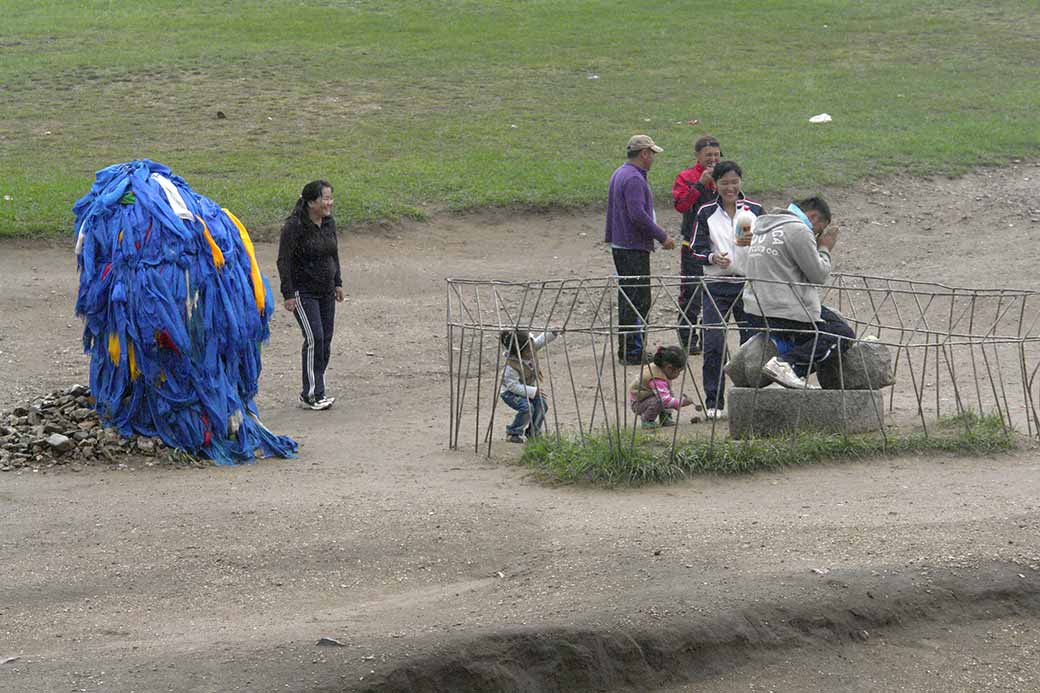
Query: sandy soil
(223,579)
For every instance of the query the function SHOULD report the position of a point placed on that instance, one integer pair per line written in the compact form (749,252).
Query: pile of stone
(62,428)
(849,400)
(867,365)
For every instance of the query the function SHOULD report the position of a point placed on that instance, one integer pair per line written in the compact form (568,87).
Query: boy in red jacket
(693,189)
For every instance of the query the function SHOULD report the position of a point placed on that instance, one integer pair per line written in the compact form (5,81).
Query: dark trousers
(689,299)
(633,266)
(721,301)
(316,314)
(810,344)
(530,414)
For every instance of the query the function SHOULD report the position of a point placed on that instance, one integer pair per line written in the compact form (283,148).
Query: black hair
(816,203)
(704,143)
(670,356)
(633,153)
(311,192)
(514,341)
(724,167)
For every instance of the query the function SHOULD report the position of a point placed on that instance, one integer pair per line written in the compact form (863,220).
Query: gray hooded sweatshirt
(783,249)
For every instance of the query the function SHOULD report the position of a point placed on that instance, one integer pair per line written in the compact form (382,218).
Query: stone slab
(756,413)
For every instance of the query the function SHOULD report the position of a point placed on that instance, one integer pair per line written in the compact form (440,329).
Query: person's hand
(705,179)
(668,244)
(340,296)
(290,304)
(721,259)
(828,238)
(686,401)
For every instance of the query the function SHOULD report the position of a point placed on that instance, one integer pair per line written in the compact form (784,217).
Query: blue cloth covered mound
(175,309)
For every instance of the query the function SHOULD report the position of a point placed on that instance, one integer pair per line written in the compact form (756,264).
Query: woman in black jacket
(308,264)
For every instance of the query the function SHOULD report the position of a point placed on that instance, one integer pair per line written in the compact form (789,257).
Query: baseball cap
(638,142)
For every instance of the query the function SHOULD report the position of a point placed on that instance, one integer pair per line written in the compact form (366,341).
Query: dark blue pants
(633,300)
(721,300)
(811,344)
(316,315)
(689,299)
(530,414)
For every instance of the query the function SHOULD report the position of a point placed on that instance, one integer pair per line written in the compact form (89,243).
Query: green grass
(410,106)
(601,461)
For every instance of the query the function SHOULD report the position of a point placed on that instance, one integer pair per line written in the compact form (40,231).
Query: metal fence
(956,350)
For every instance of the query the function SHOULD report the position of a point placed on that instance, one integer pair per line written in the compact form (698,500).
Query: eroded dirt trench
(442,569)
(957,609)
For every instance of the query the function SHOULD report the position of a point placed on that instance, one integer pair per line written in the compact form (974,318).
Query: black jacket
(308,257)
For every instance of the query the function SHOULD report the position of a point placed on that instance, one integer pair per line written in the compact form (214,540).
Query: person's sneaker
(329,400)
(714,414)
(516,438)
(665,419)
(781,372)
(315,404)
(650,425)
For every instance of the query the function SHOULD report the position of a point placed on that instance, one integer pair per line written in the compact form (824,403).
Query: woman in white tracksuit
(720,242)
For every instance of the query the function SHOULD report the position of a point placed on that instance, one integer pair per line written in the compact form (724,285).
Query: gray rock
(329,642)
(867,365)
(744,367)
(60,443)
(775,410)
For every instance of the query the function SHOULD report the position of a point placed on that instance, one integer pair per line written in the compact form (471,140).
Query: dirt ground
(413,556)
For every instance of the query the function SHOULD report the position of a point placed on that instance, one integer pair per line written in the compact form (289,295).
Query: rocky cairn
(62,429)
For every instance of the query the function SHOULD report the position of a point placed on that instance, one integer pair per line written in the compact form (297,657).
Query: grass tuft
(600,460)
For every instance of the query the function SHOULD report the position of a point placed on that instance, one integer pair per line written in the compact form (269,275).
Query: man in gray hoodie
(788,260)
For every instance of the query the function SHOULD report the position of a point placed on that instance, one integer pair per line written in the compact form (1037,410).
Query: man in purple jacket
(631,231)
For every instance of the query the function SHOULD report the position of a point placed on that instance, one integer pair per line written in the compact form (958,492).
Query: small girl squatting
(650,395)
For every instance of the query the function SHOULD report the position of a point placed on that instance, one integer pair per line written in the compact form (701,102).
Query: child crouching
(521,382)
(650,394)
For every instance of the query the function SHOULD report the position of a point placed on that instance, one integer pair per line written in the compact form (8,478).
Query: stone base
(756,413)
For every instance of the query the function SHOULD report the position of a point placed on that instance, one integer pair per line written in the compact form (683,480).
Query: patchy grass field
(417,105)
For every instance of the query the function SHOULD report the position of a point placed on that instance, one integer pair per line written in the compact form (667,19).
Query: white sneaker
(781,372)
(315,404)
(328,401)
(714,414)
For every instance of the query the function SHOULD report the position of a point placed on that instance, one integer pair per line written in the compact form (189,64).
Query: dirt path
(223,579)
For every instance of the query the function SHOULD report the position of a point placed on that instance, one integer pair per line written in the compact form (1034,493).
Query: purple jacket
(630,211)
